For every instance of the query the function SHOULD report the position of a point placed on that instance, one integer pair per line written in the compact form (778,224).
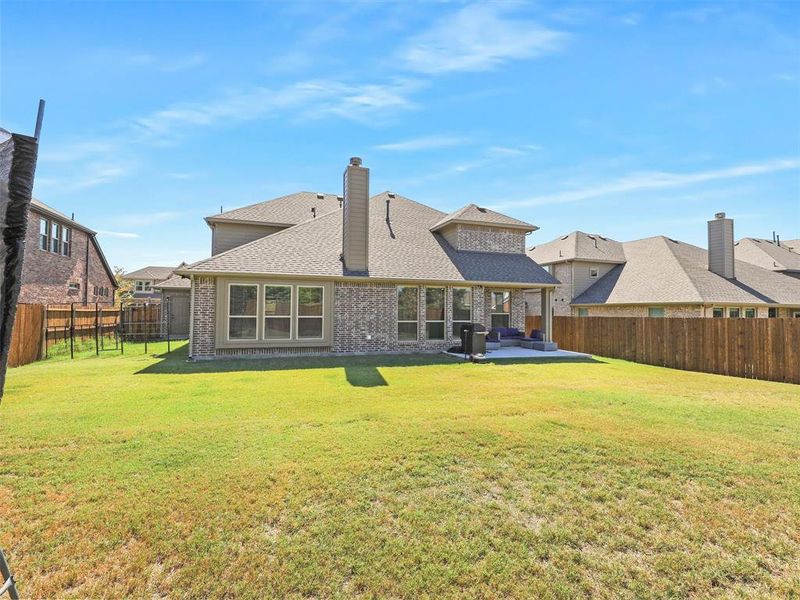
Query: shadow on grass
(360,370)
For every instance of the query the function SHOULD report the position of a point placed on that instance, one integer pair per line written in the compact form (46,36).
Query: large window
(750,313)
(655,311)
(501,309)
(242,312)
(583,312)
(407,306)
(434,313)
(718,312)
(309,312)
(772,312)
(462,309)
(277,312)
(734,313)
(144,285)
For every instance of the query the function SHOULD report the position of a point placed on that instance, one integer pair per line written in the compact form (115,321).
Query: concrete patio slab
(519,352)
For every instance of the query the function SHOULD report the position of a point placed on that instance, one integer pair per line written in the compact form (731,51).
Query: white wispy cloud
(479,37)
(151,218)
(88,175)
(311,99)
(512,150)
(640,182)
(431,142)
(118,234)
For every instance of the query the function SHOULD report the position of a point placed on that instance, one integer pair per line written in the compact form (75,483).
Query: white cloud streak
(431,142)
(479,37)
(118,234)
(640,182)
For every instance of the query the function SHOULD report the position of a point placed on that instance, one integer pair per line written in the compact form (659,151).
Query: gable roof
(659,270)
(151,272)
(767,254)
(578,246)
(176,282)
(48,211)
(404,249)
(284,211)
(472,214)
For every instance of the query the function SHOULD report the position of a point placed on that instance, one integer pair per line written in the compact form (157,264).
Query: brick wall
(491,239)
(46,276)
(203,337)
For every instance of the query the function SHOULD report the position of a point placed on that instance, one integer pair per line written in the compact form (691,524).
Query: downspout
(86,276)
(191,314)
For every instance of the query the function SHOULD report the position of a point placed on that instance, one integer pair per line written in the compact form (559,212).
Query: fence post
(169,316)
(96,329)
(46,321)
(72,330)
(146,328)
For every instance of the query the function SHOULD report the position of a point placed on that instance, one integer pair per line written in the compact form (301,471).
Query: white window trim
(730,308)
(397,314)
(795,314)
(452,308)
(298,316)
(746,308)
(229,316)
(290,316)
(46,234)
(443,321)
(580,308)
(663,309)
(596,272)
(491,314)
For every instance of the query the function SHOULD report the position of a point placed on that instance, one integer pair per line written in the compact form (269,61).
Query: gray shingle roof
(474,214)
(793,245)
(405,250)
(176,282)
(152,272)
(286,210)
(659,270)
(578,246)
(767,254)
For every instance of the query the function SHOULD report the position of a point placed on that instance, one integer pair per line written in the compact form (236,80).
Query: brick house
(662,277)
(63,261)
(318,273)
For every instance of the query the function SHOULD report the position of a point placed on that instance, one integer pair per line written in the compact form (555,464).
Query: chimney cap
(390,194)
(719,215)
(355,161)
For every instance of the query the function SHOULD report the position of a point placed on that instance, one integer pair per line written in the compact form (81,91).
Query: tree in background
(125,289)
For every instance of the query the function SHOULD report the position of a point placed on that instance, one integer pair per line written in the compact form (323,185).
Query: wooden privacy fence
(754,348)
(26,338)
(41,329)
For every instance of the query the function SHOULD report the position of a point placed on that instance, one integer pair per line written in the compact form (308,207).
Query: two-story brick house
(317,273)
(63,261)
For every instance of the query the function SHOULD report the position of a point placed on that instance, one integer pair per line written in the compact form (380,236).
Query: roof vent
(391,194)
(320,196)
(313,212)
(483,210)
(355,161)
(719,215)
(341,200)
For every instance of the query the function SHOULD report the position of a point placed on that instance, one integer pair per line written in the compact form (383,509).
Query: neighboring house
(63,261)
(662,277)
(379,274)
(175,293)
(768,255)
(146,280)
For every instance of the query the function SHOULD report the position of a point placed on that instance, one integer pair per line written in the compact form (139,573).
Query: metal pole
(39,118)
(7,584)
(72,330)
(96,329)
(169,316)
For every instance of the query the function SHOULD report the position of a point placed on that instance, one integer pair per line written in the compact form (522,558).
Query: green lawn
(145,475)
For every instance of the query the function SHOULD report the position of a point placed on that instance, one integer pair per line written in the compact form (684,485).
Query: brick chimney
(355,215)
(720,246)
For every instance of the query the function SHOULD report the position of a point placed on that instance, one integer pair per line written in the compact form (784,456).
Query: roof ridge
(285,196)
(668,244)
(406,198)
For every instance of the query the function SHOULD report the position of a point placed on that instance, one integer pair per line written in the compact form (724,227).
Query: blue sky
(628,119)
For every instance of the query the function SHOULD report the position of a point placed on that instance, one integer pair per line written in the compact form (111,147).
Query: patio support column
(547,314)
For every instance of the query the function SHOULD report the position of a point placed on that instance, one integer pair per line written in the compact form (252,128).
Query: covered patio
(518,352)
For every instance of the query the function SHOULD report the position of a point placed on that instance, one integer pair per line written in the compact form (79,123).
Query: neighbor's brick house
(662,277)
(316,273)
(63,261)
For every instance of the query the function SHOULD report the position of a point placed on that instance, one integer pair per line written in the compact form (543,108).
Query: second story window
(44,235)
(144,285)
(55,238)
(66,241)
